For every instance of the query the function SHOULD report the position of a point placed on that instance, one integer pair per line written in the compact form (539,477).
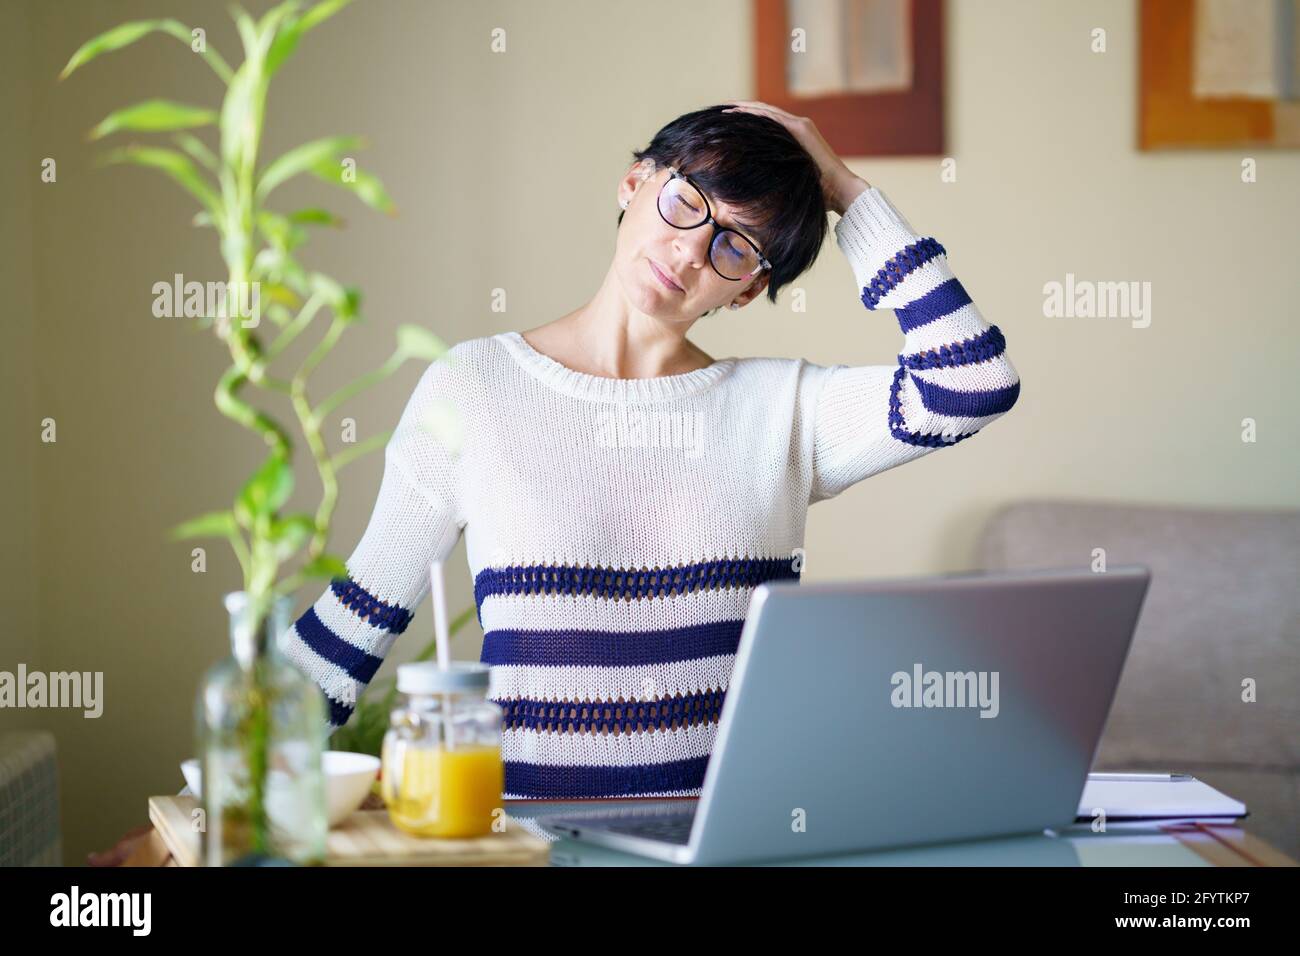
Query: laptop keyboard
(665,829)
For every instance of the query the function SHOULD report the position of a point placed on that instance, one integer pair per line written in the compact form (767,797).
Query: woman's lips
(669,283)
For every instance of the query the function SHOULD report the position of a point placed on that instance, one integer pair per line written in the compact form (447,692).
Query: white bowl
(348,777)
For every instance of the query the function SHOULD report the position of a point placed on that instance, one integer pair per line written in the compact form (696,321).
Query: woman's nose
(694,244)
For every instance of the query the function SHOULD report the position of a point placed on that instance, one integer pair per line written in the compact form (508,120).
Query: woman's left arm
(952,377)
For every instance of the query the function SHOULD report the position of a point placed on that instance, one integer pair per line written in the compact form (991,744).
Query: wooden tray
(367,838)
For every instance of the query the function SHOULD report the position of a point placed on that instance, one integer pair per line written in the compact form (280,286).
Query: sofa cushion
(1223,607)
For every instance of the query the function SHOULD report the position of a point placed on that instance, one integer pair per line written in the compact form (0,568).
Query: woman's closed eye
(733,249)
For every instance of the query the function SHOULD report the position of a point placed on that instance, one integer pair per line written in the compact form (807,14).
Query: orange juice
(433,791)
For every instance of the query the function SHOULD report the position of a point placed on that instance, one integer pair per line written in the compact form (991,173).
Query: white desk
(1122,845)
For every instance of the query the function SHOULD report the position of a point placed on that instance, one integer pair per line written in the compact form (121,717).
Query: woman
(622,492)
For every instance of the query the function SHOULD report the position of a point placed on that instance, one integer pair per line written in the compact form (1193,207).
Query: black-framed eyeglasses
(684,205)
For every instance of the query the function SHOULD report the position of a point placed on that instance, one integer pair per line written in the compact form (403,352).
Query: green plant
(258,246)
(259,249)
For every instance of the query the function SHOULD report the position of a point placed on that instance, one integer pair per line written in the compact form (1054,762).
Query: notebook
(1155,796)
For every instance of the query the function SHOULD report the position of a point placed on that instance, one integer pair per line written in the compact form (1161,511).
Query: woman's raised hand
(840,185)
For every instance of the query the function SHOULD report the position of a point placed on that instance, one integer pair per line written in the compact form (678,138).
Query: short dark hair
(754,164)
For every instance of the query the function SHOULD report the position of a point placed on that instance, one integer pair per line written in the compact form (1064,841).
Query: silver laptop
(867,715)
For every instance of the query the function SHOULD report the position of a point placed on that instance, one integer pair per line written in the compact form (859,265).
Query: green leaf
(322,11)
(196,149)
(127,33)
(247,31)
(236,114)
(174,164)
(316,217)
(282,46)
(279,294)
(273,226)
(268,489)
(278,268)
(272,19)
(365,730)
(242,110)
(287,37)
(302,158)
(414,341)
(110,40)
(345,301)
(350,307)
(324,566)
(366,186)
(288,535)
(284,235)
(153,116)
(276,29)
(214,524)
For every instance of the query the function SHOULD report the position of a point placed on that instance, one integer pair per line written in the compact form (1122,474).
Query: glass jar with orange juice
(442,769)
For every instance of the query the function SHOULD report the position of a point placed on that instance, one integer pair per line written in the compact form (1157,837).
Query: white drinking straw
(442,642)
(439,615)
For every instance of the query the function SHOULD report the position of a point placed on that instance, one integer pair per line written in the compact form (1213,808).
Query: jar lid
(426,677)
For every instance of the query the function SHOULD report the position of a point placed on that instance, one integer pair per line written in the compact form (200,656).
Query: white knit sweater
(616,527)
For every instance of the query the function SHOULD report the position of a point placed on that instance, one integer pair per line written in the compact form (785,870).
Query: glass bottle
(442,770)
(255,710)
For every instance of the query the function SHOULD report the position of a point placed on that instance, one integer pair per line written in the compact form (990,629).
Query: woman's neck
(607,337)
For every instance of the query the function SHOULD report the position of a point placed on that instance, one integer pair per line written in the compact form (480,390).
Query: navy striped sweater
(616,528)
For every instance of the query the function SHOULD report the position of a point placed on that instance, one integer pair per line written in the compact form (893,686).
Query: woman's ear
(637,174)
(753,292)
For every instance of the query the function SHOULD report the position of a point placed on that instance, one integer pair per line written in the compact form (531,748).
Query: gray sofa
(1223,606)
(29,800)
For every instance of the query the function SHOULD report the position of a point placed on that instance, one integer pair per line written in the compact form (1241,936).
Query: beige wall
(19,421)
(476,149)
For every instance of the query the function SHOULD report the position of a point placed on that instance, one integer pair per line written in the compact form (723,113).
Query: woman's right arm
(341,640)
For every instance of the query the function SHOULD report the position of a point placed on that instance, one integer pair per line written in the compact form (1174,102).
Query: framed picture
(1219,73)
(868,72)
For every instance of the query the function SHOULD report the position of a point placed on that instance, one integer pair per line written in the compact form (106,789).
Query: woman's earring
(623,203)
(733,306)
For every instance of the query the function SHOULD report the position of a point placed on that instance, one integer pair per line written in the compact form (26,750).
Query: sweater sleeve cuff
(870,232)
